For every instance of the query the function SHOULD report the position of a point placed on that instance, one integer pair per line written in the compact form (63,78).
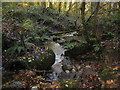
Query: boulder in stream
(38,60)
(43,60)
(78,50)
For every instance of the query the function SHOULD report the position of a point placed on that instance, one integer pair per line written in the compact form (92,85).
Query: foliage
(68,46)
(27,26)
(39,59)
(107,35)
(116,19)
(108,74)
(16,49)
(36,21)
(97,47)
(69,83)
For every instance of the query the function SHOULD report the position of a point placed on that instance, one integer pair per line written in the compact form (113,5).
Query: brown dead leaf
(109,81)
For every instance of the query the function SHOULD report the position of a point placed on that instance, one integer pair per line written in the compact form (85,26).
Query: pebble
(34,88)
(15,84)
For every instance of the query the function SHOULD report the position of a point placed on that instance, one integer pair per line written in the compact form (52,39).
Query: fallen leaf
(57,87)
(38,86)
(109,81)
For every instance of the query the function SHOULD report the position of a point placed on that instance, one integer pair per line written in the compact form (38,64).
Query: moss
(78,50)
(44,60)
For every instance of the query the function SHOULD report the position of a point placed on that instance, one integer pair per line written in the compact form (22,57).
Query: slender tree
(44,4)
(50,4)
(97,33)
(85,32)
(65,6)
(59,6)
(70,6)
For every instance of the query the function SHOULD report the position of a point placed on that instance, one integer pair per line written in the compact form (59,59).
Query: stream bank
(65,72)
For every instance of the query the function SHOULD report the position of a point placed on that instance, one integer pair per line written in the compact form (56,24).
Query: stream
(65,68)
(59,57)
(62,66)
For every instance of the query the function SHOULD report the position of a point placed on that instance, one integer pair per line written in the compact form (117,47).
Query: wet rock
(64,75)
(15,84)
(51,77)
(41,60)
(55,77)
(66,61)
(69,75)
(57,68)
(88,71)
(2,68)
(34,88)
(78,74)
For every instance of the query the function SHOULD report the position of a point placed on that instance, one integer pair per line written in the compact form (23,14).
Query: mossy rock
(78,50)
(43,61)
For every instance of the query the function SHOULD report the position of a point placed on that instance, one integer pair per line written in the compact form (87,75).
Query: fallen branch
(63,32)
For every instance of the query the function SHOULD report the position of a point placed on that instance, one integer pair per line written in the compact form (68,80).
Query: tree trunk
(50,4)
(97,33)
(114,7)
(85,32)
(44,4)
(65,6)
(59,7)
(76,8)
(92,7)
(70,6)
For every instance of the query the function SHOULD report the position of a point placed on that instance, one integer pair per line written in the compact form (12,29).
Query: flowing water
(60,60)
(59,57)
(58,51)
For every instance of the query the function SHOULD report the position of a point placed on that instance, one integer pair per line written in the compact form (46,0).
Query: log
(63,32)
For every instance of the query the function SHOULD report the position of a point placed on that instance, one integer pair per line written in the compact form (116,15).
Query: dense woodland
(88,31)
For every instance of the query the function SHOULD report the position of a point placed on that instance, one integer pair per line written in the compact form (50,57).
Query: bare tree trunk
(65,6)
(119,5)
(92,7)
(70,6)
(38,3)
(43,4)
(59,7)
(109,9)
(76,8)
(115,7)
(78,19)
(50,4)
(85,32)
(97,33)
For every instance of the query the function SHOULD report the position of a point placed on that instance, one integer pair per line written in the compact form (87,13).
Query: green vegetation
(89,32)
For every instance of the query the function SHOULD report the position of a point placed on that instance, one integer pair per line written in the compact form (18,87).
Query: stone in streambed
(15,84)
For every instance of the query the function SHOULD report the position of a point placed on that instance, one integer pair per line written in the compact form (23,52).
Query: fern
(29,44)
(17,48)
